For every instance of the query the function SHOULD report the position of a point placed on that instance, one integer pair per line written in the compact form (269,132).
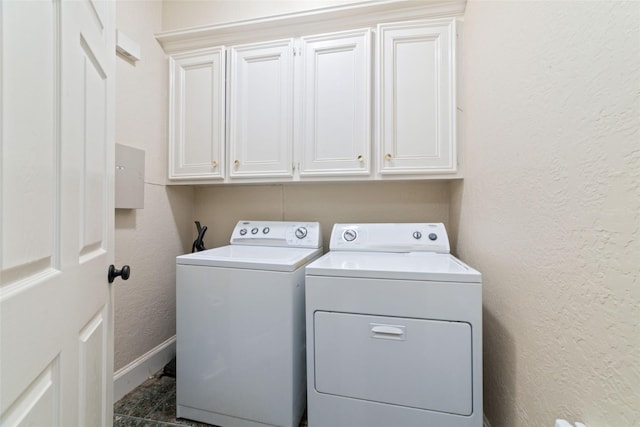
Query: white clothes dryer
(240,326)
(394,330)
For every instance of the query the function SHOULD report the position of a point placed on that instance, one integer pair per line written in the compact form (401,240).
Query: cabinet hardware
(387,156)
(361,158)
(214,164)
(236,163)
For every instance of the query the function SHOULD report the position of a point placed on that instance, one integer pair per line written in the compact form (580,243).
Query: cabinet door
(196,126)
(261,111)
(416,88)
(334,132)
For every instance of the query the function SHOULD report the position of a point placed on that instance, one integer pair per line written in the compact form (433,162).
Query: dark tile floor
(153,404)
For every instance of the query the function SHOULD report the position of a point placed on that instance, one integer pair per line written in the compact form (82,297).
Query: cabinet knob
(387,156)
(214,164)
(361,158)
(236,163)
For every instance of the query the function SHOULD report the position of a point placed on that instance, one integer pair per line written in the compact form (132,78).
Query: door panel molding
(38,403)
(30,115)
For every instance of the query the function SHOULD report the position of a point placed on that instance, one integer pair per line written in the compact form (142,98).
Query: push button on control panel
(433,236)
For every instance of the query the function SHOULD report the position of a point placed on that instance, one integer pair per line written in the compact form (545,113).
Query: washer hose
(199,243)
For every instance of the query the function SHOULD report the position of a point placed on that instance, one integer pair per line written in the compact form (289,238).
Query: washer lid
(404,266)
(252,257)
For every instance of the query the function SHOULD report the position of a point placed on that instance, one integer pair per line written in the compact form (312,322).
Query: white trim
(138,371)
(317,21)
(126,47)
(485,421)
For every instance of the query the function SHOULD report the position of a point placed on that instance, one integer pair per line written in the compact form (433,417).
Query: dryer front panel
(418,363)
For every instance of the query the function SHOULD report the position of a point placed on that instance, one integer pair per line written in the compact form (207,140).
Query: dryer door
(418,363)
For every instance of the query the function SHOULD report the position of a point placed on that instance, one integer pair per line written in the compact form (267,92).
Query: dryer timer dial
(301,232)
(349,235)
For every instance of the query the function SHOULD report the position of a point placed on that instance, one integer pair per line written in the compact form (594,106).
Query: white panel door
(416,90)
(56,203)
(334,126)
(196,126)
(261,110)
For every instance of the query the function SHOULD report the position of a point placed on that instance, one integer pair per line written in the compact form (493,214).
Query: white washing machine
(394,330)
(240,326)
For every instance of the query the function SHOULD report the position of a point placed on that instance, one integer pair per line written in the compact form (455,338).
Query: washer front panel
(240,346)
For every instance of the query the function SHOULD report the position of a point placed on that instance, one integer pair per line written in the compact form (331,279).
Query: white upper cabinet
(333,128)
(197,110)
(416,98)
(261,110)
(301,102)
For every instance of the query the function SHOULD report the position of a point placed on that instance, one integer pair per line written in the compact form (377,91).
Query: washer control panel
(391,237)
(277,233)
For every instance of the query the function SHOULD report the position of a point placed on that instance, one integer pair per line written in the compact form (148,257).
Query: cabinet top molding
(330,19)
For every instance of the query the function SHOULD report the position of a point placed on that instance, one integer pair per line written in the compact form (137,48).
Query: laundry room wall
(179,14)
(147,239)
(221,207)
(549,209)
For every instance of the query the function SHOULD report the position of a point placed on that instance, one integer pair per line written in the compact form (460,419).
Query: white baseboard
(138,371)
(485,422)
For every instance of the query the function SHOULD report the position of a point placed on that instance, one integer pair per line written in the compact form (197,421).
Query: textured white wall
(147,239)
(549,210)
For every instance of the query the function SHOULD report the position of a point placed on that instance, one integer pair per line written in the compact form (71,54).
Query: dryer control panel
(277,233)
(390,237)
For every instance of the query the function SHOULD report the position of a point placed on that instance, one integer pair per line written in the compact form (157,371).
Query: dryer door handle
(392,332)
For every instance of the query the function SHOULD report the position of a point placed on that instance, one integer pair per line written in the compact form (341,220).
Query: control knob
(350,235)
(301,232)
(433,236)
(243,231)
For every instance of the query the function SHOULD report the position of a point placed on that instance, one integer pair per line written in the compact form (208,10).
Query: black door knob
(114,272)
